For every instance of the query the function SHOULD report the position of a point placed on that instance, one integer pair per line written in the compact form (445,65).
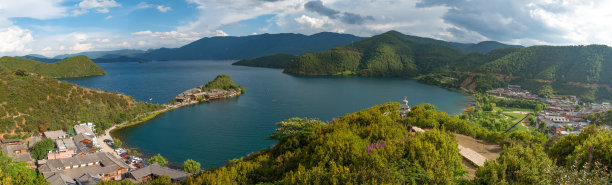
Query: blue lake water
(214,132)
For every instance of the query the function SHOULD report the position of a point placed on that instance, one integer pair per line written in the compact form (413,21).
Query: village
(561,116)
(80,158)
(196,95)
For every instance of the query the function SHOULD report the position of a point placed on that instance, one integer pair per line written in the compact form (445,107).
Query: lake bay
(217,131)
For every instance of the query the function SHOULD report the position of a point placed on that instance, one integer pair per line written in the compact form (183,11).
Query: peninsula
(221,87)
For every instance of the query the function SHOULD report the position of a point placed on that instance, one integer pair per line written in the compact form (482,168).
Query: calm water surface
(217,131)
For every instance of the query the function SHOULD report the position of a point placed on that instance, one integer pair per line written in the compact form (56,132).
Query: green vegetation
(13,172)
(41,148)
(222,82)
(499,114)
(371,146)
(191,166)
(600,118)
(273,61)
(33,103)
(517,165)
(77,66)
(159,160)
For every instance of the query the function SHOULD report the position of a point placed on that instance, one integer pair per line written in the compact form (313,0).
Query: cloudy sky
(52,27)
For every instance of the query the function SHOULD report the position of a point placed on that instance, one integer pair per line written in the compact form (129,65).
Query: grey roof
(65,144)
(155,169)
(80,137)
(22,157)
(83,129)
(106,164)
(56,134)
(87,179)
(61,179)
(11,148)
(6,141)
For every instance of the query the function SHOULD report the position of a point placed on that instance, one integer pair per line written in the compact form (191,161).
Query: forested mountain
(76,66)
(31,103)
(246,47)
(273,61)
(545,70)
(388,54)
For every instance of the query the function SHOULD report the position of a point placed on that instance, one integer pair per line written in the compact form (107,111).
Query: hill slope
(228,48)
(388,54)
(33,103)
(77,66)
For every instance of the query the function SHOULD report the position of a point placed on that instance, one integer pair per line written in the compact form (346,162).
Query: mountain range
(253,46)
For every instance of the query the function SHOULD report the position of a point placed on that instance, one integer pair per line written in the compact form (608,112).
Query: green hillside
(546,70)
(222,82)
(31,103)
(76,66)
(564,70)
(388,54)
(273,61)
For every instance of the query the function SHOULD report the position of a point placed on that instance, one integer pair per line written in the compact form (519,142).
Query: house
(56,134)
(83,129)
(514,87)
(153,171)
(65,148)
(11,141)
(18,152)
(98,166)
(84,144)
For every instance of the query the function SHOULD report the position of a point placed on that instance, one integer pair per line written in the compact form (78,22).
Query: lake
(215,132)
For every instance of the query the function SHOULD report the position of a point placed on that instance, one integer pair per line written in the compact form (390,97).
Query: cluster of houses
(197,94)
(561,116)
(80,160)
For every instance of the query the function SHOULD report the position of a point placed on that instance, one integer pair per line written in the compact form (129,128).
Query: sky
(53,27)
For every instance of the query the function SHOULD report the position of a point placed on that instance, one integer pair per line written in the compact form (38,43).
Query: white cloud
(102,10)
(310,22)
(80,47)
(220,33)
(101,6)
(89,4)
(14,39)
(163,9)
(143,5)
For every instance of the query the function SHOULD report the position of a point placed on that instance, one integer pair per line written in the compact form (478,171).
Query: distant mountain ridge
(103,54)
(247,47)
(76,66)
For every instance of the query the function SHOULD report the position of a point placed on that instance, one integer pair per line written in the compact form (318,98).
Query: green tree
(158,159)
(161,180)
(13,172)
(517,165)
(40,149)
(191,166)
(117,143)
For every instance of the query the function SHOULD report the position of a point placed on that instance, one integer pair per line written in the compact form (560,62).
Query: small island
(221,87)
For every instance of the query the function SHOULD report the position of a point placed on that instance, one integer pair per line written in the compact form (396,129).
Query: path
(476,152)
